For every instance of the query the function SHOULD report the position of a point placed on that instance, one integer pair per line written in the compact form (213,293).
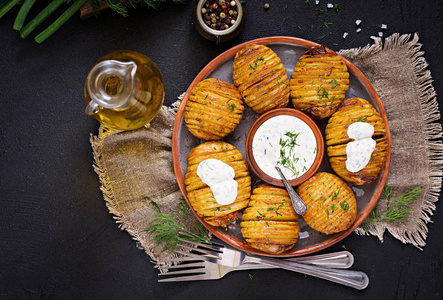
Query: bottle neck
(110,83)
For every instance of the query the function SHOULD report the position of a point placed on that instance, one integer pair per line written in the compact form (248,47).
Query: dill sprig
(288,158)
(397,209)
(165,229)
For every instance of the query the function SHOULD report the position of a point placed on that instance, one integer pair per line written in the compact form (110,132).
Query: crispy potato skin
(270,223)
(331,203)
(319,82)
(213,109)
(355,110)
(261,78)
(200,195)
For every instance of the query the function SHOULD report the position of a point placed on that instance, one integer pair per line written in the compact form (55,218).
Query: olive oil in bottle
(124,90)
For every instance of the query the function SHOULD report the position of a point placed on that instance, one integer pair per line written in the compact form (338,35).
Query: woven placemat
(135,164)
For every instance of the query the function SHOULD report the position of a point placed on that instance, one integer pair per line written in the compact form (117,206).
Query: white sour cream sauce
(266,145)
(219,176)
(360,150)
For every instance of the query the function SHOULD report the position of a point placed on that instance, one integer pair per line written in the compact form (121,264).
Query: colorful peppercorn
(220,14)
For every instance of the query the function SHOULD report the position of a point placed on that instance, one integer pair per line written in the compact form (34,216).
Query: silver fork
(228,259)
(204,270)
(339,260)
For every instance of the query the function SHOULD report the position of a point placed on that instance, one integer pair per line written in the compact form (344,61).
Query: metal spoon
(298,204)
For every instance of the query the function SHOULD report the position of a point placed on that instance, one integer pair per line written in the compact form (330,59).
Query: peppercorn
(219,14)
(266,5)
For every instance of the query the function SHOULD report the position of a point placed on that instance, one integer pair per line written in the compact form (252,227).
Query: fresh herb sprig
(165,229)
(288,159)
(118,6)
(397,209)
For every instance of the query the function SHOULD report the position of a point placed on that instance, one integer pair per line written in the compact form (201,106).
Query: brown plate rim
(241,245)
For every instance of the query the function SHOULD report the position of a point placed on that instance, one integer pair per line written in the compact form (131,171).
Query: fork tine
(211,253)
(188,271)
(201,257)
(184,278)
(175,259)
(206,246)
(182,266)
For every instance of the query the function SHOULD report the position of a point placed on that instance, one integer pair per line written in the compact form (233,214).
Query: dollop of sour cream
(219,176)
(359,151)
(294,137)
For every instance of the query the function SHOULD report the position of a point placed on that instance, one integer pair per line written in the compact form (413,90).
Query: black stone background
(58,240)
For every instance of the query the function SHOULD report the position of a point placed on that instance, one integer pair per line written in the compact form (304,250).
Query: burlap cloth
(135,164)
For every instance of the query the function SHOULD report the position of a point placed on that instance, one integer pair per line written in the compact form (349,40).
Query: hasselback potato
(213,109)
(270,223)
(261,78)
(200,195)
(351,111)
(319,82)
(330,201)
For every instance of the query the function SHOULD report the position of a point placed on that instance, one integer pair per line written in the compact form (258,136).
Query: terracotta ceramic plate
(289,50)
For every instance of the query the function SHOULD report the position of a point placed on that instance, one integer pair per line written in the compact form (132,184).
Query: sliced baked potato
(261,78)
(213,109)
(330,201)
(319,82)
(355,110)
(200,195)
(270,223)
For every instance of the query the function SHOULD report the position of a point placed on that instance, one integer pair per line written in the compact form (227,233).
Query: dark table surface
(58,240)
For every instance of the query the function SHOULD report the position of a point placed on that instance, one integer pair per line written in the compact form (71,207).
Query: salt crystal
(358,30)
(358,192)
(380,34)
(357,22)
(330,5)
(345,35)
(317,2)
(384,26)
(375,38)
(303,235)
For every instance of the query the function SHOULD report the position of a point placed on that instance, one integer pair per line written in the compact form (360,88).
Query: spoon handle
(298,204)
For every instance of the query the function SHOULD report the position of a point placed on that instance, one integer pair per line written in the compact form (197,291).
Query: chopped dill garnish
(262,59)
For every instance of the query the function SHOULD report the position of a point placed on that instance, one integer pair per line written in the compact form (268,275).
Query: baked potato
(270,223)
(213,109)
(355,110)
(330,201)
(201,196)
(319,82)
(261,78)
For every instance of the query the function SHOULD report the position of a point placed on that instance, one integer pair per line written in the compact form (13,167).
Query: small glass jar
(124,90)
(216,35)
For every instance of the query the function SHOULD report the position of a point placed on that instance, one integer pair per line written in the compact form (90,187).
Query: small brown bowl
(288,112)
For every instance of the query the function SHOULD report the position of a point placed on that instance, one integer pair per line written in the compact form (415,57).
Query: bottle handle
(91,108)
